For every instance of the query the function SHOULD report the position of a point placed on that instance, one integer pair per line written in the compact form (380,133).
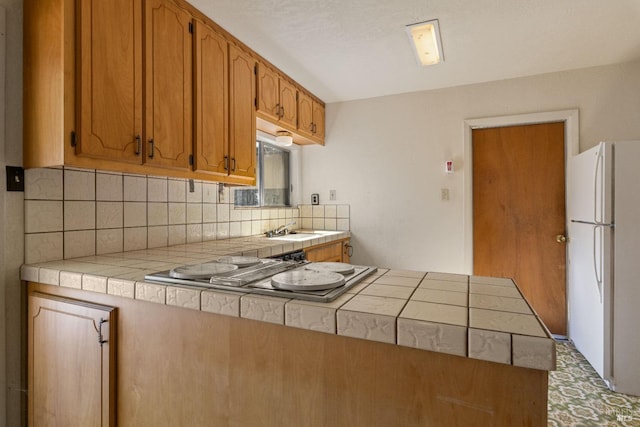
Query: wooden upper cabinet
(71,358)
(109,81)
(288,103)
(212,101)
(310,117)
(169,85)
(268,93)
(242,114)
(277,98)
(318,121)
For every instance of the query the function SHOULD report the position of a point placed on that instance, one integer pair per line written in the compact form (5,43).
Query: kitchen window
(273,184)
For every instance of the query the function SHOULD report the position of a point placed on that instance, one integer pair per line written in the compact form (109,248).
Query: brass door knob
(561,239)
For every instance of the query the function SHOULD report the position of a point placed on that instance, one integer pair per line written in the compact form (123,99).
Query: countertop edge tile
(383,320)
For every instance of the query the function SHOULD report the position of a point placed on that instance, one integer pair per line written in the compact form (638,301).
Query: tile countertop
(470,316)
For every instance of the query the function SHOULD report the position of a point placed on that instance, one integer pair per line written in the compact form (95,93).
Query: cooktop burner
(320,282)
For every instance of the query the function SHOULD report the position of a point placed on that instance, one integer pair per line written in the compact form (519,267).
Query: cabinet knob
(561,239)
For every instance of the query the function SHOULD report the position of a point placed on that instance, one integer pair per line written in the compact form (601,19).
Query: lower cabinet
(186,367)
(337,251)
(71,362)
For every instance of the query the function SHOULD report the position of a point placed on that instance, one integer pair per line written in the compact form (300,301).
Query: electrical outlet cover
(315,199)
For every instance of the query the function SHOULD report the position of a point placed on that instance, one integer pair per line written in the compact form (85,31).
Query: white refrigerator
(604,261)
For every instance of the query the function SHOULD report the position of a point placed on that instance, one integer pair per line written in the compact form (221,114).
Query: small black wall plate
(15,178)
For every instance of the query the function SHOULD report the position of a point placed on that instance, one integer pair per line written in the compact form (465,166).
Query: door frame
(571,148)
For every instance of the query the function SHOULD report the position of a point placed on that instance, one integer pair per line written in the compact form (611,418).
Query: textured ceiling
(351,49)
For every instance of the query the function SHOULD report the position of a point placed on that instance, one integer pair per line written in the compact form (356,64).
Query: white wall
(12,305)
(385,156)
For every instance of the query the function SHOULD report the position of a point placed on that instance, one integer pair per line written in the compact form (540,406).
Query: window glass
(273,185)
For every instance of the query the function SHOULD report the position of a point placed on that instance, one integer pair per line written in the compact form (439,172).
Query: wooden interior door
(519,213)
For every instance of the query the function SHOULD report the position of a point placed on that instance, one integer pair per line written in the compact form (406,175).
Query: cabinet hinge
(191,27)
(191,159)
(74,139)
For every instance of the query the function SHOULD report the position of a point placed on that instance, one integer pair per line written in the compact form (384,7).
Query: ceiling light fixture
(284,138)
(425,38)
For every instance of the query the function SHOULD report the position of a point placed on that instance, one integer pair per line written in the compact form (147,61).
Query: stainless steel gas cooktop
(320,282)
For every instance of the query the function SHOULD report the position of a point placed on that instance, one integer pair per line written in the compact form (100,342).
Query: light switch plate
(15,178)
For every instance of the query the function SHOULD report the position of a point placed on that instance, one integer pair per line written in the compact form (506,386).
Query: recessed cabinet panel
(318,121)
(268,97)
(288,100)
(71,362)
(305,114)
(109,80)
(212,101)
(277,100)
(242,121)
(168,85)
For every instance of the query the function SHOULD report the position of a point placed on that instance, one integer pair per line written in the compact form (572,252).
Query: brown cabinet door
(268,94)
(169,109)
(71,362)
(305,114)
(212,101)
(329,252)
(288,104)
(109,81)
(242,114)
(318,121)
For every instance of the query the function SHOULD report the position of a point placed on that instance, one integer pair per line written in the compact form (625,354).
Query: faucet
(280,230)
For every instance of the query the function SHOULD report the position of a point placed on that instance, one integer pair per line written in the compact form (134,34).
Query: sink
(301,236)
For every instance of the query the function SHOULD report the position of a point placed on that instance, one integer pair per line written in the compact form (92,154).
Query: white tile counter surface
(470,316)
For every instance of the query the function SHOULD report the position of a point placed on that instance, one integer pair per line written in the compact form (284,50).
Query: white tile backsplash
(135,188)
(43,216)
(109,187)
(177,190)
(72,212)
(157,190)
(109,215)
(79,215)
(135,214)
(43,184)
(79,184)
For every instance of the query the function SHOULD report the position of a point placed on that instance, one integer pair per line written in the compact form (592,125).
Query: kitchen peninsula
(401,348)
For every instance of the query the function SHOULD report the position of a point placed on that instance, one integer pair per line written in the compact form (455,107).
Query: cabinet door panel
(71,373)
(242,123)
(288,102)
(318,121)
(268,103)
(109,80)
(305,114)
(168,85)
(212,100)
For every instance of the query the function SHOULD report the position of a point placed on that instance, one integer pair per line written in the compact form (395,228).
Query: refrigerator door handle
(596,181)
(597,257)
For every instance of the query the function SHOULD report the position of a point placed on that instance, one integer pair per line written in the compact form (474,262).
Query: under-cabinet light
(425,38)
(284,138)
